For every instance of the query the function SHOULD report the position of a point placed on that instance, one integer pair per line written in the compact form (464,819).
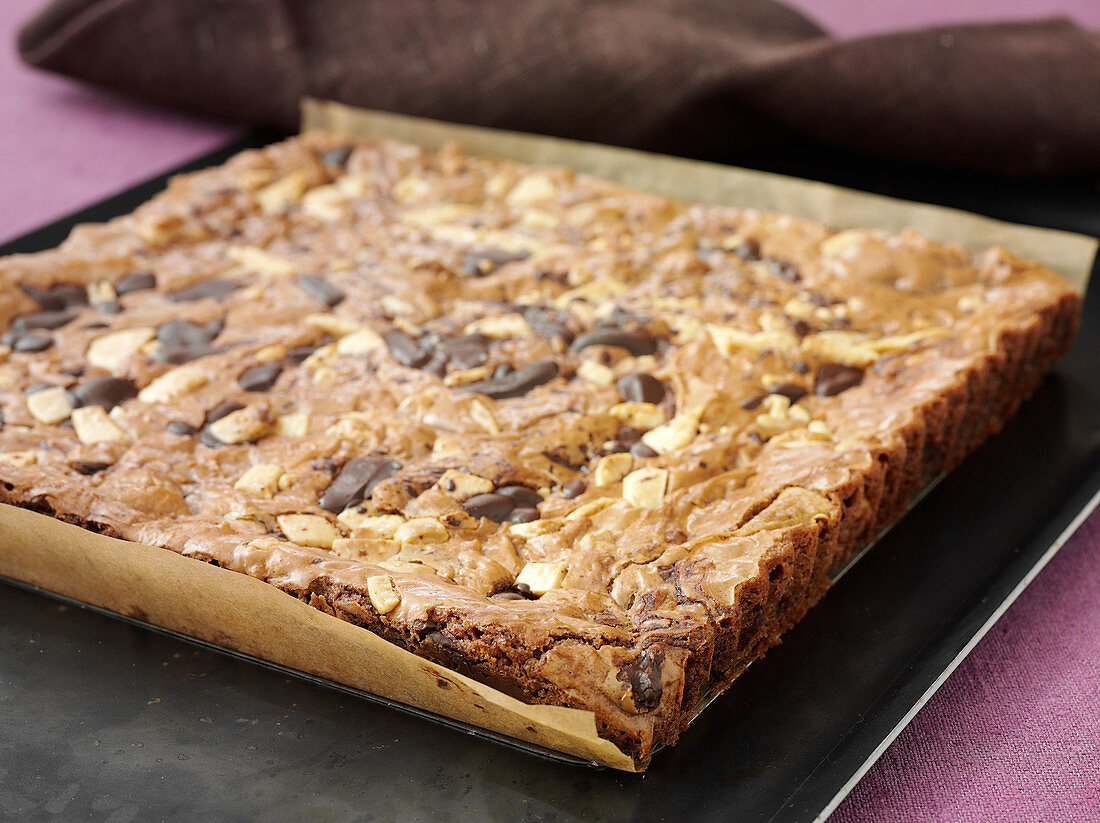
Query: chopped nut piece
(481,414)
(18,460)
(534,528)
(849,348)
(50,406)
(461,378)
(730,340)
(673,435)
(638,415)
(93,425)
(330,323)
(276,351)
(645,487)
(394,306)
(382,590)
(590,508)
(421,530)
(261,480)
(102,291)
(275,197)
(596,373)
(541,577)
(307,530)
(321,358)
(359,343)
(612,468)
(534,188)
(243,426)
(325,202)
(445,447)
(111,351)
(500,326)
(258,261)
(174,384)
(461,485)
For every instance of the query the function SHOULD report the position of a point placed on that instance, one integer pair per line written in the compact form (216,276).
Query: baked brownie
(593,446)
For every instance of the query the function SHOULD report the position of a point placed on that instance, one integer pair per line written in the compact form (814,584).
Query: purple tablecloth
(1014,734)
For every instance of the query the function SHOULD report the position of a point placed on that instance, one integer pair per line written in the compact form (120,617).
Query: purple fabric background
(1014,734)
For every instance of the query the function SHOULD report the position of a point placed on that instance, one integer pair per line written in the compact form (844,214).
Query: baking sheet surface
(793,726)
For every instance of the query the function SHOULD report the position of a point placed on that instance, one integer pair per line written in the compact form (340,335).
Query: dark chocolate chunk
(58,297)
(521,494)
(791,391)
(336,157)
(89,467)
(749,250)
(181,428)
(221,410)
(495,506)
(42,320)
(467,351)
(784,270)
(801,328)
(523,514)
(801,366)
(833,378)
(406,351)
(32,342)
(356,481)
(640,449)
(502,370)
(437,365)
(752,401)
(260,378)
(139,281)
(215,289)
(574,488)
(300,353)
(644,676)
(640,388)
(548,322)
(635,342)
(107,392)
(517,383)
(185,334)
(37,387)
(507,595)
(109,307)
(321,290)
(481,262)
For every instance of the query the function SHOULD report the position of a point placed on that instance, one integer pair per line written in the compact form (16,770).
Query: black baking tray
(102,718)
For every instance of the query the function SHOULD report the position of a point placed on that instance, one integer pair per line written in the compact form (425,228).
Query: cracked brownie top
(561,408)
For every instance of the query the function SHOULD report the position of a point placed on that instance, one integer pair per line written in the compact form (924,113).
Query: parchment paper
(694,180)
(237,612)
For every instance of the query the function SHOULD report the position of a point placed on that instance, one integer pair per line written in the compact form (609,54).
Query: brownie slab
(589,445)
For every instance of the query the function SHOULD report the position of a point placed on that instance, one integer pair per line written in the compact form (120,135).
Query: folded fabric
(693,77)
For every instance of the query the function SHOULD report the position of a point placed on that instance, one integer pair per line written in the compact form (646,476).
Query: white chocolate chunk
(499,327)
(612,468)
(242,426)
(261,480)
(481,414)
(372,527)
(307,530)
(534,188)
(596,373)
(50,405)
(292,425)
(645,487)
(93,425)
(111,351)
(174,384)
(330,323)
(359,343)
(276,196)
(541,577)
(382,590)
(421,530)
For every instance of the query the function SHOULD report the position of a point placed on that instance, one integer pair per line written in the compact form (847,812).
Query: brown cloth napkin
(691,77)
